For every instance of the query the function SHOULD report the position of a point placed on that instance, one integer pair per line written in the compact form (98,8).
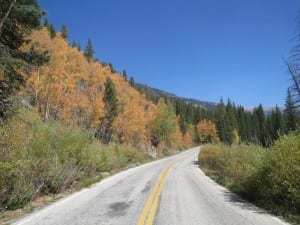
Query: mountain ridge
(158,93)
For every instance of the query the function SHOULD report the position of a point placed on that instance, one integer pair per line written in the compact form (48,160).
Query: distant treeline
(234,123)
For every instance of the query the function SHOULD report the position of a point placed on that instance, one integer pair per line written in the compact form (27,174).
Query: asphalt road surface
(166,192)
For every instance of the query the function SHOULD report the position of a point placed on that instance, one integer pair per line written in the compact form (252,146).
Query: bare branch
(294,77)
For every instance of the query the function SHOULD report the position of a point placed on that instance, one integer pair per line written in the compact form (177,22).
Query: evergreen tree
(290,112)
(105,129)
(259,115)
(131,81)
(110,99)
(124,74)
(89,51)
(64,32)
(111,67)
(242,124)
(51,30)
(46,22)
(232,114)
(183,125)
(278,122)
(74,44)
(78,46)
(225,129)
(275,125)
(18,20)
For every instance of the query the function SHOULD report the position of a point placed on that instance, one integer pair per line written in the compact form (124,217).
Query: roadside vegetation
(67,119)
(39,158)
(267,177)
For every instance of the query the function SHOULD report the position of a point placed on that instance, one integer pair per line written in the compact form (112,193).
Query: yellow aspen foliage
(131,123)
(207,131)
(187,139)
(176,138)
(71,89)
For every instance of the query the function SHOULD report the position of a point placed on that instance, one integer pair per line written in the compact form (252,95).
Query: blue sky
(203,49)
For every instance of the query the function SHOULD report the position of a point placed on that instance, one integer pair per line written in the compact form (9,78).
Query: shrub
(269,177)
(39,158)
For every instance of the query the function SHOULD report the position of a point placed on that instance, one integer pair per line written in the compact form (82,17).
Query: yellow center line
(151,206)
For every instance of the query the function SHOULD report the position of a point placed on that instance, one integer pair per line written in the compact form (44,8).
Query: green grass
(267,177)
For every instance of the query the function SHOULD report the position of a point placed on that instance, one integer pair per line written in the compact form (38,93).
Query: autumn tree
(207,131)
(18,19)
(105,129)
(89,51)
(164,124)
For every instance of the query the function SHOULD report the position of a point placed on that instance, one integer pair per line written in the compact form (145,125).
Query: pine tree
(290,112)
(105,129)
(89,51)
(131,81)
(51,30)
(242,124)
(78,46)
(225,129)
(19,19)
(64,32)
(124,74)
(111,67)
(46,22)
(275,124)
(74,44)
(259,114)
(110,99)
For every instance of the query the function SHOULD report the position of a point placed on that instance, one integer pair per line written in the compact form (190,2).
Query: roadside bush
(269,177)
(284,172)
(210,157)
(38,158)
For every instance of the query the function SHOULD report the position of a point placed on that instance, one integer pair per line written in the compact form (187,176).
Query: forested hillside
(66,117)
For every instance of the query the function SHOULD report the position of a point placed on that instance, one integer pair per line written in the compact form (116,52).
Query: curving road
(166,192)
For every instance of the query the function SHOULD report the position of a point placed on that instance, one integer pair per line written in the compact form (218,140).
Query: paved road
(167,192)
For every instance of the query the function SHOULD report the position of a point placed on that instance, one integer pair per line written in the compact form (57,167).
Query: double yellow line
(148,214)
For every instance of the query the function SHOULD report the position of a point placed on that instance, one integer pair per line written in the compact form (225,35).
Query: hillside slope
(70,88)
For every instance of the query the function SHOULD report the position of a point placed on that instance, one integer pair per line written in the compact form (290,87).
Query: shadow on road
(196,162)
(241,203)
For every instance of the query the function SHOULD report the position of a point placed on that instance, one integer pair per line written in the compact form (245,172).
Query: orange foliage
(70,88)
(187,139)
(207,131)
